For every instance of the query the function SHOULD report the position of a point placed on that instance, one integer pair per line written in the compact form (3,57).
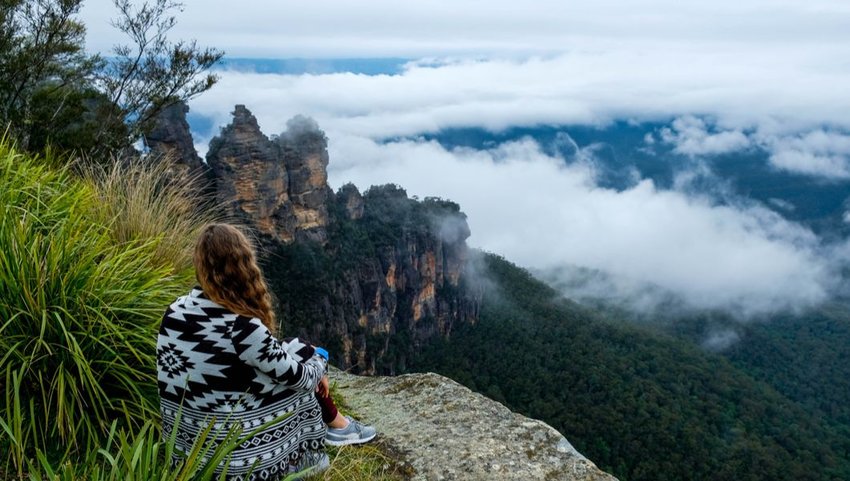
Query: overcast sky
(725,76)
(342,28)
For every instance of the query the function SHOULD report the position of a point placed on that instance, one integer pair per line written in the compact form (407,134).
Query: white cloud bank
(819,153)
(690,136)
(801,119)
(542,214)
(538,213)
(737,88)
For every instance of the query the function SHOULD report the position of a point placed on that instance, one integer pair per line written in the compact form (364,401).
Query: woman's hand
(324,388)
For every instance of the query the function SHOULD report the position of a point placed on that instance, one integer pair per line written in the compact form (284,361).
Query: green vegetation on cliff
(805,357)
(325,291)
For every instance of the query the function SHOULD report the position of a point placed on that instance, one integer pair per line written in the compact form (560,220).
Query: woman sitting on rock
(219,362)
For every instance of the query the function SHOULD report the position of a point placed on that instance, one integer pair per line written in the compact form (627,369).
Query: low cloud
(819,153)
(691,136)
(721,340)
(782,204)
(832,166)
(452,228)
(591,286)
(735,89)
(542,213)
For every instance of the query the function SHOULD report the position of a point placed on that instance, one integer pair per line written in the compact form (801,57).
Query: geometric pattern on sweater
(217,367)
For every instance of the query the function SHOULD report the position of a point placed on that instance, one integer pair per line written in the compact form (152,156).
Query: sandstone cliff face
(171,138)
(277,186)
(391,279)
(350,197)
(447,432)
(373,276)
(304,150)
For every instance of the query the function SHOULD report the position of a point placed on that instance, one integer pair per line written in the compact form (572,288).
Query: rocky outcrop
(447,432)
(305,157)
(352,200)
(171,138)
(374,276)
(389,280)
(278,186)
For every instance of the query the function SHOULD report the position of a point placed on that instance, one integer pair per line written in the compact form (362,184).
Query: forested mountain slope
(805,357)
(643,405)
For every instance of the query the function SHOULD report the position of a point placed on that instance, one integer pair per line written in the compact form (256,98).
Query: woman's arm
(293,364)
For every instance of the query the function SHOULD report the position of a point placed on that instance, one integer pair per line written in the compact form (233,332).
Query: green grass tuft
(374,461)
(144,202)
(81,296)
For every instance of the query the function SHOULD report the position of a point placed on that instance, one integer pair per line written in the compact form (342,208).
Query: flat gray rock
(448,432)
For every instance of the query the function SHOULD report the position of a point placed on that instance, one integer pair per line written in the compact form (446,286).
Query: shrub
(81,295)
(143,201)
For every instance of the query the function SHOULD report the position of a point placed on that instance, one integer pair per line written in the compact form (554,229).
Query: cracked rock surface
(448,432)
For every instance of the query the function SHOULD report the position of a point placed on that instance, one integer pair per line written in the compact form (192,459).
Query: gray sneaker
(354,433)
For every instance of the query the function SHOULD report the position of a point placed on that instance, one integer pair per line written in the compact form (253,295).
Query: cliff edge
(447,432)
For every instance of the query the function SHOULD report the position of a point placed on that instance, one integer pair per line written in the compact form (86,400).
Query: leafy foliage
(643,406)
(41,52)
(391,214)
(143,455)
(152,72)
(80,302)
(805,357)
(802,355)
(73,118)
(53,93)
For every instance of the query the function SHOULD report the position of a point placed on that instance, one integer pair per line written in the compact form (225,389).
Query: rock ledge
(448,432)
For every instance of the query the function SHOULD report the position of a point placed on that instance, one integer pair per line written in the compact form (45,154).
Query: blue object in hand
(322,352)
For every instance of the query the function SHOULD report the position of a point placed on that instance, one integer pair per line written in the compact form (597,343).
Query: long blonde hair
(227,270)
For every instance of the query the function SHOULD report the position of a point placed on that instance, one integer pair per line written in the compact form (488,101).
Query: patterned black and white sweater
(218,367)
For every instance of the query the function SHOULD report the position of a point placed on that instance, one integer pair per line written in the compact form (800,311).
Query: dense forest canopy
(645,405)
